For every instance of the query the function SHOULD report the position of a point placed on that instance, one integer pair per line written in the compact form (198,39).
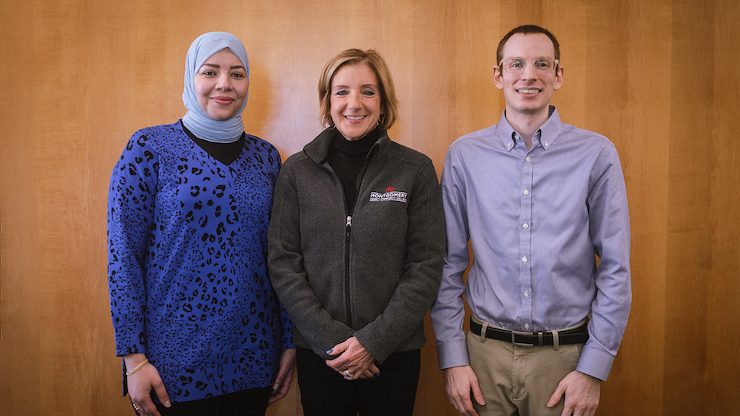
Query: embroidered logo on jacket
(390,194)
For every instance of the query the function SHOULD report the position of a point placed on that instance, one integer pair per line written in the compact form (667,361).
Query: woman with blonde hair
(356,246)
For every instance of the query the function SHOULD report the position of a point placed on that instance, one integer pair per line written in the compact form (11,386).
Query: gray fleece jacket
(373,275)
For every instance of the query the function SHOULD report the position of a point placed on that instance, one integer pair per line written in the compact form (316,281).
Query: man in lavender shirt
(545,207)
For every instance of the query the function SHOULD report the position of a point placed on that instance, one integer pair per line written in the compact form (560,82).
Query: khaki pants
(519,379)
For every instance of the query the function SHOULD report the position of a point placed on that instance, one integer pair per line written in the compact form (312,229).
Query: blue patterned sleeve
(133,186)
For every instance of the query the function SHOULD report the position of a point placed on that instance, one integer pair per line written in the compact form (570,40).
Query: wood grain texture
(20,340)
(659,78)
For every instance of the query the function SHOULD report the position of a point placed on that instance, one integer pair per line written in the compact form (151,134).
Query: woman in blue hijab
(196,320)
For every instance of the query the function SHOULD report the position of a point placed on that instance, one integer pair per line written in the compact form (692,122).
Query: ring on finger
(347,373)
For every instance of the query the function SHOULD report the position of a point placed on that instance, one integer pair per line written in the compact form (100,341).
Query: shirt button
(525,259)
(528,159)
(526,326)
(526,192)
(526,293)
(526,226)
(547,144)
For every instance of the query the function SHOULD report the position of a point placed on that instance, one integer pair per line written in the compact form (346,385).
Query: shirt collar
(545,135)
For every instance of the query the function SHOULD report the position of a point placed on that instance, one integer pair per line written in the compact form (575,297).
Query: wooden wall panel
(659,78)
(690,152)
(19,283)
(633,110)
(723,294)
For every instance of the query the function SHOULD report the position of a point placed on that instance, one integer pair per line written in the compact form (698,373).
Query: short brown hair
(388,102)
(526,29)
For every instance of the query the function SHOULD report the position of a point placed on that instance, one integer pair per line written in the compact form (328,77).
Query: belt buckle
(521,344)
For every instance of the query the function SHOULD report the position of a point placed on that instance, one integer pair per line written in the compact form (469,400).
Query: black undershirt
(225,153)
(346,158)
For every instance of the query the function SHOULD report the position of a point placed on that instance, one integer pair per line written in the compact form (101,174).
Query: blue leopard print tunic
(187,263)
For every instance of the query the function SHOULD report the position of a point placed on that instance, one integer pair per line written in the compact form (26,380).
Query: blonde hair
(388,102)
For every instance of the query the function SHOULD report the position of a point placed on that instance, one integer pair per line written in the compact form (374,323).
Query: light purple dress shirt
(537,221)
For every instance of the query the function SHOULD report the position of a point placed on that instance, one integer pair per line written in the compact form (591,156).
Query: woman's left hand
(354,361)
(284,376)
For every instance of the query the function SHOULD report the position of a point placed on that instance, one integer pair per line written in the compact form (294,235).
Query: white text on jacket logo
(388,196)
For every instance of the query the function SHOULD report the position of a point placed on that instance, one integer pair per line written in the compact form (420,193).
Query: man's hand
(581,394)
(459,383)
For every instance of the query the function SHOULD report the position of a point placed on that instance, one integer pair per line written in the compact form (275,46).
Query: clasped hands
(353,361)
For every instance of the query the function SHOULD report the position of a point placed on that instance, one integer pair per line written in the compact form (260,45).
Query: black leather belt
(577,335)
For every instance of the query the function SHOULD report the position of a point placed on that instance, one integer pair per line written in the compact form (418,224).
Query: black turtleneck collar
(347,158)
(355,147)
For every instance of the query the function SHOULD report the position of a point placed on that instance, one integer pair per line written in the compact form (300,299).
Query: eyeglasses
(517,66)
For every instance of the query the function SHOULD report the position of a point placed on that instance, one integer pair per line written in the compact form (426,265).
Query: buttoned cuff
(452,354)
(595,363)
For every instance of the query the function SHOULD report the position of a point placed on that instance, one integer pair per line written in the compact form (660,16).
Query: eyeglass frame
(555,63)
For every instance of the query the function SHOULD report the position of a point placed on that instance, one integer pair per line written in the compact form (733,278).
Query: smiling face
(221,85)
(528,94)
(355,101)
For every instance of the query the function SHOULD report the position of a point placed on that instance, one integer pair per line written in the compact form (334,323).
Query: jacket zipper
(347,233)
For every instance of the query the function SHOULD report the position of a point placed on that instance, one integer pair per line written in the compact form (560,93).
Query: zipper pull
(349,220)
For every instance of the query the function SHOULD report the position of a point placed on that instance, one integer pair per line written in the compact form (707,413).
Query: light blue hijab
(196,120)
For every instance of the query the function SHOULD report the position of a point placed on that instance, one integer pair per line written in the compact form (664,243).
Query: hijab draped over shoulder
(196,120)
